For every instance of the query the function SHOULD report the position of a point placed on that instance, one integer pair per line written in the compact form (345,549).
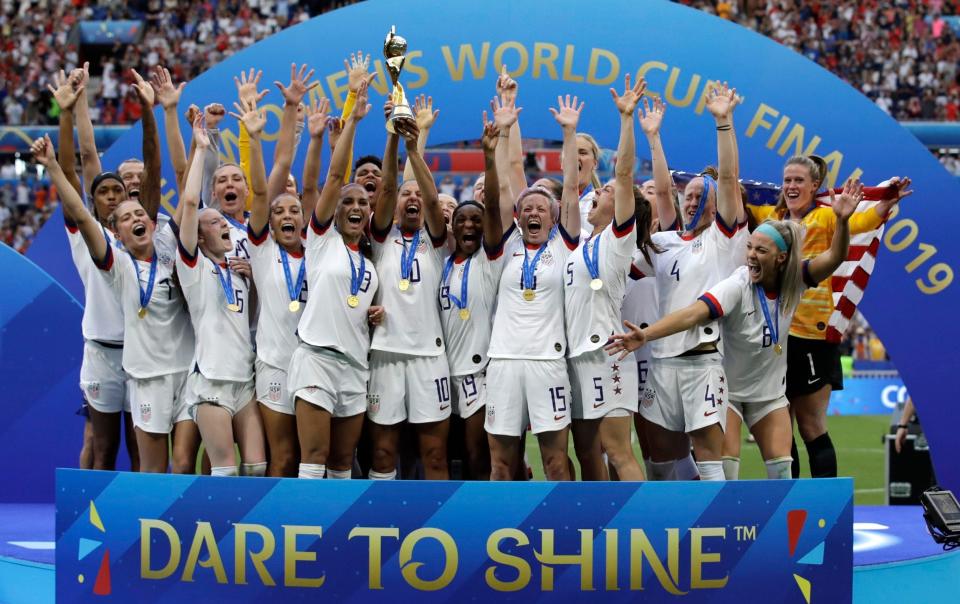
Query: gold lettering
(612,541)
(166,197)
(337,96)
(204,538)
(380,81)
(545,55)
(584,559)
(647,67)
(467,55)
(595,55)
(450,556)
(641,548)
(762,111)
(498,557)
(413,69)
(257,558)
(796,137)
(568,74)
(146,526)
(670,95)
(834,159)
(291,555)
(374,556)
(276,111)
(521,52)
(775,135)
(698,558)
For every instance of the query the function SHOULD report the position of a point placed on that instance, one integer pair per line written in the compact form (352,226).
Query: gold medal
(233,307)
(596,284)
(353,301)
(464,313)
(529,295)
(404,284)
(294,305)
(142,312)
(777,348)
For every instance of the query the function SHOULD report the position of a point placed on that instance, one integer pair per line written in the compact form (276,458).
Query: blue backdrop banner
(153,538)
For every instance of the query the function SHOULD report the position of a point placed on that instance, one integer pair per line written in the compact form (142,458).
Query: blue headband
(707,183)
(770,231)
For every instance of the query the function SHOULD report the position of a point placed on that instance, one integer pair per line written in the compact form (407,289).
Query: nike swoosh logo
(813,381)
(517,254)
(471,401)
(444,407)
(596,406)
(709,413)
(752,312)
(557,418)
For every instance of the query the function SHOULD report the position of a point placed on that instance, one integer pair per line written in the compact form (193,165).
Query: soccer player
(527,379)
(329,369)
(604,389)
(221,386)
(752,304)
(158,339)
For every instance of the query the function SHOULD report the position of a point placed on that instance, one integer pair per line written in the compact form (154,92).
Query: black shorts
(811,365)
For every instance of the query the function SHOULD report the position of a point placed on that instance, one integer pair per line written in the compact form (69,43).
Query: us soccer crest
(373,403)
(647,396)
(165,259)
(145,412)
(273,392)
(547,258)
(698,245)
(93,390)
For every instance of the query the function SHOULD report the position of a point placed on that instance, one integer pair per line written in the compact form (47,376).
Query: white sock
(660,470)
(391,475)
(731,467)
(685,469)
(710,470)
(779,467)
(223,471)
(311,470)
(339,474)
(253,469)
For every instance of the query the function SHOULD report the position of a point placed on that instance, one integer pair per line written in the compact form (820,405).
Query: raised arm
(253,121)
(508,89)
(283,153)
(426,117)
(150,184)
(387,196)
(721,103)
(168,96)
(66,91)
(73,205)
(340,160)
(317,119)
(189,207)
(568,115)
(677,321)
(357,73)
(651,118)
(89,158)
(432,214)
(827,262)
(624,204)
(492,221)
(213,114)
(506,116)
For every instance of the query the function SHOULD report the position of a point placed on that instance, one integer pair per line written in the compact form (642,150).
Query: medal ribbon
(772,325)
(356,277)
(145,295)
(460,302)
(293,289)
(593,265)
(226,283)
(406,258)
(530,268)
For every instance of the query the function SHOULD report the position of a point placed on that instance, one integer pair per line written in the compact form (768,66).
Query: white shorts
(405,387)
(272,388)
(688,393)
(522,392)
(469,393)
(158,403)
(232,396)
(328,379)
(751,413)
(601,383)
(102,378)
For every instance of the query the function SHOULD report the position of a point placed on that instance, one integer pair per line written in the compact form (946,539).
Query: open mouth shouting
(754,267)
(534,226)
(288,228)
(139,229)
(370,186)
(355,218)
(230,196)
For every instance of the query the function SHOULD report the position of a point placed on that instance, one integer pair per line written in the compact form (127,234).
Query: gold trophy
(394,51)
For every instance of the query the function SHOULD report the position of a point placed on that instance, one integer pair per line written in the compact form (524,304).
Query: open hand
(144,89)
(299,85)
(64,90)
(253,119)
(357,70)
(627,102)
(247,85)
(166,93)
(849,199)
(625,343)
(567,113)
(423,109)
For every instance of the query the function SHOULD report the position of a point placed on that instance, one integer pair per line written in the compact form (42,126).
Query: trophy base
(400,112)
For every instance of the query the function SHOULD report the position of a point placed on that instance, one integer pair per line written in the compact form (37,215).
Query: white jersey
(641,307)
(161,342)
(328,321)
(412,322)
(468,340)
(223,347)
(531,329)
(276,333)
(592,316)
(102,316)
(755,372)
(239,237)
(686,268)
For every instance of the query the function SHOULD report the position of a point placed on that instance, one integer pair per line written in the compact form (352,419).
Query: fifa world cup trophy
(394,51)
